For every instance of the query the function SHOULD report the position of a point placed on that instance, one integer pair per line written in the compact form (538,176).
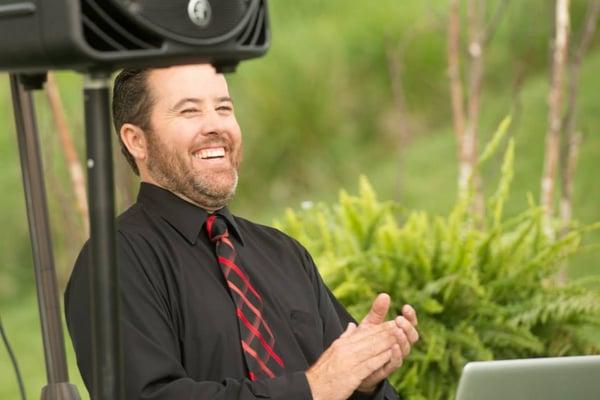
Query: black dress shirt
(179,328)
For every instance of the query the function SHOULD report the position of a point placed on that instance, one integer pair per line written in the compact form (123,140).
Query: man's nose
(213,123)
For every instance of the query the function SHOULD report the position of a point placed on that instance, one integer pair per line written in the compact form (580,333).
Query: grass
(22,326)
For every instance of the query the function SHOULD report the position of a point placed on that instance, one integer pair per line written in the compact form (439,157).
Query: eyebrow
(195,100)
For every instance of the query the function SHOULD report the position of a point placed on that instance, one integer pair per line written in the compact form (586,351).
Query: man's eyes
(196,110)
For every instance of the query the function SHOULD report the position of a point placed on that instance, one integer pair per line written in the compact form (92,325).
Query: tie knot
(216,227)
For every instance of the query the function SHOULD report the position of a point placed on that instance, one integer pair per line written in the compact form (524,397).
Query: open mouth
(211,153)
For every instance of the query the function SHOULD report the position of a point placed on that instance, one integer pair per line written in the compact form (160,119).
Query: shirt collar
(187,218)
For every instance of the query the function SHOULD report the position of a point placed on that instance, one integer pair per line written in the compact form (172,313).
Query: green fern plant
(482,291)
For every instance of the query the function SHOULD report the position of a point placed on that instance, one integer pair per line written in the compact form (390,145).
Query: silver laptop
(563,378)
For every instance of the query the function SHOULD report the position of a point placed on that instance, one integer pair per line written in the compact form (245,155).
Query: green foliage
(22,327)
(481,292)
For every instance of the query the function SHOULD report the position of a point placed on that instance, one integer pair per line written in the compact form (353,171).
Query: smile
(207,154)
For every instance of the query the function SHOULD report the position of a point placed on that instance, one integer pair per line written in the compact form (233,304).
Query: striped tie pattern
(256,337)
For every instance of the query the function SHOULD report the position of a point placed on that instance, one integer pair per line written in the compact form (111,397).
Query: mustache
(220,141)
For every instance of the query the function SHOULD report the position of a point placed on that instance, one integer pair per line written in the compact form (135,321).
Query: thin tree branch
(401,115)
(591,21)
(475,16)
(492,26)
(573,139)
(394,65)
(65,223)
(590,25)
(75,169)
(555,97)
(517,88)
(475,72)
(453,52)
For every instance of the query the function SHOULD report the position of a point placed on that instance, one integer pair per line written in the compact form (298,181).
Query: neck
(209,210)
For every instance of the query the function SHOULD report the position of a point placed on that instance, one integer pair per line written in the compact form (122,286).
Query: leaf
(492,146)
(480,292)
(431,306)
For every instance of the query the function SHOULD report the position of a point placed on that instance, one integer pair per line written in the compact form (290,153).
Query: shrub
(482,290)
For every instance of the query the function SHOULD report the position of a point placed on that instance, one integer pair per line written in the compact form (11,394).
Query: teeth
(211,153)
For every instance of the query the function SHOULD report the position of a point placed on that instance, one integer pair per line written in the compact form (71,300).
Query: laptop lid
(562,378)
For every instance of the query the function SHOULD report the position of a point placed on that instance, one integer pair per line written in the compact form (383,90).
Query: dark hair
(132,103)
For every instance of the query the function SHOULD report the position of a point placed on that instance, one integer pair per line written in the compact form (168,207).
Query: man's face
(195,144)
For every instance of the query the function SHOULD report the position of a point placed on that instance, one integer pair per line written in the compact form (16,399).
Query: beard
(210,189)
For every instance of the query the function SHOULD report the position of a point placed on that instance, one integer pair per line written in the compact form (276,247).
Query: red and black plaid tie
(256,337)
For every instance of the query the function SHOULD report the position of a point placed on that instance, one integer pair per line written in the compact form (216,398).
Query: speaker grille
(106,28)
(124,25)
(172,17)
(255,32)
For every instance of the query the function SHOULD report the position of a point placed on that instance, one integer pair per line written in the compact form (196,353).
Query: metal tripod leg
(107,375)
(58,387)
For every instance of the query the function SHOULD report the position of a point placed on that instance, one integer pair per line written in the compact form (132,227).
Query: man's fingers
(378,311)
(367,346)
(410,314)
(364,330)
(367,341)
(408,328)
(405,346)
(401,329)
(375,363)
(394,363)
(386,370)
(361,357)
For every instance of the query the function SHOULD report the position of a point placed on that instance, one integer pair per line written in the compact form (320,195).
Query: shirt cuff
(292,386)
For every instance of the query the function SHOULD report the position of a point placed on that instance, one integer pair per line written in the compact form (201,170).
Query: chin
(218,186)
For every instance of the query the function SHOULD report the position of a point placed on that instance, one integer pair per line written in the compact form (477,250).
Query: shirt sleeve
(335,317)
(151,350)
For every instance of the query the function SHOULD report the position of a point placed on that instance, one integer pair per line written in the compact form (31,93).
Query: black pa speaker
(88,35)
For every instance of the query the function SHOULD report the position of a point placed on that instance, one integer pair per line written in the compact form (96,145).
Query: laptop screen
(562,378)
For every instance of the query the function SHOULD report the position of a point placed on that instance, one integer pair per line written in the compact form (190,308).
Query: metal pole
(58,387)
(107,380)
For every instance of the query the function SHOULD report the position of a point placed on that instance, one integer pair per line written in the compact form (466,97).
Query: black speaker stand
(107,380)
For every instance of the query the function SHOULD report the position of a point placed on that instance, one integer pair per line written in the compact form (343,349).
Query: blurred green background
(318,111)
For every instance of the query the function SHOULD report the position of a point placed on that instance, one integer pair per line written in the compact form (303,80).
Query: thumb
(378,311)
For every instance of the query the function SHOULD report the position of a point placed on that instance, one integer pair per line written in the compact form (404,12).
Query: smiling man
(214,306)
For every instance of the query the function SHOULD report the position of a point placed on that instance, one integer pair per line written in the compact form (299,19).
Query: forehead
(188,81)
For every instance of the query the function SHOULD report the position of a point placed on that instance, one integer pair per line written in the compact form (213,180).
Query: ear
(134,139)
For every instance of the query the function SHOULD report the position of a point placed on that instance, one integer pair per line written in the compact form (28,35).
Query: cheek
(180,135)
(235,132)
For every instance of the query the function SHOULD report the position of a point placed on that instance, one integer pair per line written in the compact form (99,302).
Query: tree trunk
(555,96)
(402,118)
(573,138)
(75,169)
(475,17)
(456,91)
(466,121)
